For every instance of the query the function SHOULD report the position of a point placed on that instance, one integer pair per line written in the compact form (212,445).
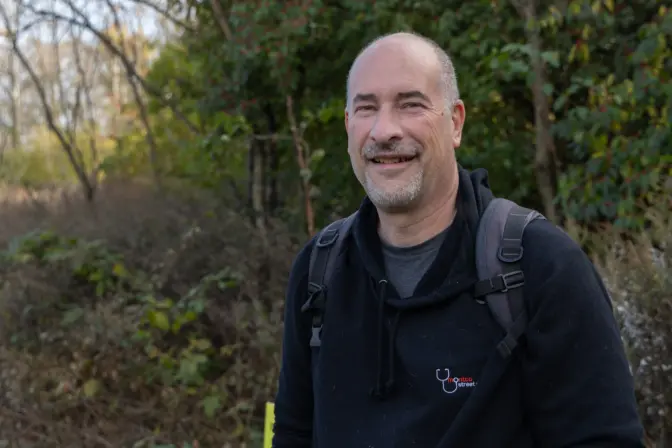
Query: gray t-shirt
(405,266)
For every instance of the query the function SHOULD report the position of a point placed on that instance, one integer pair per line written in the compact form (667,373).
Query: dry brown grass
(168,244)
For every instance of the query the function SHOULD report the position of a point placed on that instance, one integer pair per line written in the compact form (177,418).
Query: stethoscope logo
(447,379)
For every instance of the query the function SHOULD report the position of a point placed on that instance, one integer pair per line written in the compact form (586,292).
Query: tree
(545,159)
(65,133)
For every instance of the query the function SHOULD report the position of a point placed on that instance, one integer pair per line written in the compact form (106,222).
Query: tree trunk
(273,163)
(545,167)
(303,167)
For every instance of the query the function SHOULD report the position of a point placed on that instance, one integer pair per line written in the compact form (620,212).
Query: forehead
(394,66)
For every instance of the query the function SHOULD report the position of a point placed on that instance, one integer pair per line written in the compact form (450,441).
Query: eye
(411,105)
(367,107)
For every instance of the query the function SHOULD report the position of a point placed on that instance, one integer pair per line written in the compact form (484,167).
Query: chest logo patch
(450,384)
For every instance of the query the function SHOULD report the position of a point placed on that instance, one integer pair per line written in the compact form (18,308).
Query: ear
(347,119)
(458,116)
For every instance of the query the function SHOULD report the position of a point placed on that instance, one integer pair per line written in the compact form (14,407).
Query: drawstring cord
(377,391)
(381,388)
(393,334)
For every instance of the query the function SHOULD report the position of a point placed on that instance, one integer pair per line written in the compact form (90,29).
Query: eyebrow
(364,97)
(413,94)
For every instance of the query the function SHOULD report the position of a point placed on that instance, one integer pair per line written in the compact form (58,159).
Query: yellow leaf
(165,304)
(610,5)
(201,344)
(153,352)
(119,270)
(91,388)
(227,350)
(585,33)
(159,320)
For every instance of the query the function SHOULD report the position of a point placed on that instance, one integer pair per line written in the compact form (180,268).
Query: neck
(420,225)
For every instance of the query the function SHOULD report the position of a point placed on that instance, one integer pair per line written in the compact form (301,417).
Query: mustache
(373,150)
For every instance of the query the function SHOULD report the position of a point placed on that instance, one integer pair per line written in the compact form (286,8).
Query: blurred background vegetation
(161,162)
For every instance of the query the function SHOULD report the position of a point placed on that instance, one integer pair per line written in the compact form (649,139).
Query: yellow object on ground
(268,424)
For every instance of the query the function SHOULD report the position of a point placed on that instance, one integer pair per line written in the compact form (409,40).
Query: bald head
(417,43)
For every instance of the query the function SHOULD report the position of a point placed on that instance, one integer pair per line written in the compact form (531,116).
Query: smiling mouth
(391,160)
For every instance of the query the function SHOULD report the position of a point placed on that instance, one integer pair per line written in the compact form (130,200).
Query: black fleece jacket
(387,386)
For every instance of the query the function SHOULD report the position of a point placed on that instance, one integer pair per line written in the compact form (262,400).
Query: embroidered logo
(450,384)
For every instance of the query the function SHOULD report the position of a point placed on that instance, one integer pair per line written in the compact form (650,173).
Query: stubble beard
(399,198)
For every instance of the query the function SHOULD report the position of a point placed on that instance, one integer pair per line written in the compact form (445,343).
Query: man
(408,356)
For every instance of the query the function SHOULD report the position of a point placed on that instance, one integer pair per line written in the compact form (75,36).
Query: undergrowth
(155,321)
(638,274)
(140,322)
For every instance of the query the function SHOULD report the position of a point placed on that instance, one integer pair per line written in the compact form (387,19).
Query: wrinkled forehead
(398,65)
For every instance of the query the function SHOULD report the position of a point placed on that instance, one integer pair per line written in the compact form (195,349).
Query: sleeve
(578,388)
(294,400)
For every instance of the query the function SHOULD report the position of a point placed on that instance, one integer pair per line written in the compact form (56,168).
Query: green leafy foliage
(128,334)
(616,111)
(224,85)
(190,362)
(608,68)
(89,263)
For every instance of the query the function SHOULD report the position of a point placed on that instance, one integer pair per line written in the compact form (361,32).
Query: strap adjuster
(327,238)
(315,340)
(315,297)
(512,280)
(510,254)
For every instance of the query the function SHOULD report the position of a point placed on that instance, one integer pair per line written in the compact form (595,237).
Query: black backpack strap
(499,250)
(328,245)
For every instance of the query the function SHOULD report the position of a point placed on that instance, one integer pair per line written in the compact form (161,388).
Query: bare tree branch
(93,131)
(84,22)
(165,14)
(4,139)
(29,25)
(144,116)
(300,147)
(67,146)
(220,17)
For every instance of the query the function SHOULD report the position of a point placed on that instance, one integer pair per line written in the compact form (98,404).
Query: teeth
(398,160)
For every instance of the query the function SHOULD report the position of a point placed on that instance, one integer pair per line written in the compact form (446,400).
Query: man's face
(401,138)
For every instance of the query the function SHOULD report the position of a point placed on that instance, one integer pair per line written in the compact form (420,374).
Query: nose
(386,128)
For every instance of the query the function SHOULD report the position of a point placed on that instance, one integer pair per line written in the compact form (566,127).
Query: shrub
(140,321)
(638,274)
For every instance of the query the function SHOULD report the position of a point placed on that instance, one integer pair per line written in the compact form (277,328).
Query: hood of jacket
(452,273)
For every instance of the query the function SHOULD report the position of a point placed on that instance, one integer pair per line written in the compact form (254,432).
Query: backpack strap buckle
(499,251)
(323,262)
(510,254)
(500,283)
(315,297)
(327,237)
(316,303)
(511,280)
(315,340)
